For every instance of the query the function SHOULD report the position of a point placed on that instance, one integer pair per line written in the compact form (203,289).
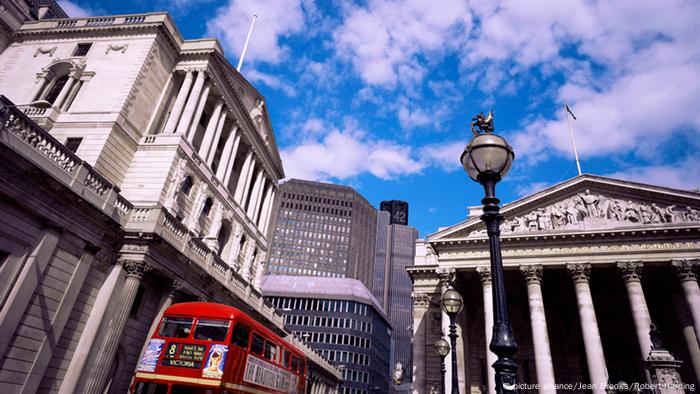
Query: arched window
(55,89)
(187,185)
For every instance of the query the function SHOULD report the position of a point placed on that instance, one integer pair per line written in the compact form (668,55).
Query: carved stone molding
(421,300)
(580,272)
(136,268)
(484,274)
(685,269)
(630,270)
(532,273)
(175,286)
(117,48)
(43,51)
(447,276)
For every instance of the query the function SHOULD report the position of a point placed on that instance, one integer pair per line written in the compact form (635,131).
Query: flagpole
(245,46)
(571,133)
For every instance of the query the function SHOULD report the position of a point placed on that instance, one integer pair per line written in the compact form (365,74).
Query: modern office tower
(341,319)
(391,284)
(321,229)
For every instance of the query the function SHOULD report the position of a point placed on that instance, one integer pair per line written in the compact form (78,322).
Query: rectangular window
(240,336)
(82,49)
(285,358)
(211,330)
(257,345)
(270,351)
(73,144)
(176,327)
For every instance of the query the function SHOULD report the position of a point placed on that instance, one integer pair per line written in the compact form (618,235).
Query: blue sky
(378,95)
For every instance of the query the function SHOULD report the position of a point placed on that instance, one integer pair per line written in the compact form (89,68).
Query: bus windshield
(211,330)
(176,327)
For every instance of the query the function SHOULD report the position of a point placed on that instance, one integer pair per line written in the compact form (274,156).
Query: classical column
(64,91)
(631,271)
(595,358)
(100,369)
(689,282)
(228,155)
(165,301)
(266,224)
(217,136)
(211,129)
(255,198)
(184,123)
(248,183)
(192,132)
(445,329)
(421,302)
(69,385)
(179,104)
(485,276)
(265,207)
(240,187)
(538,323)
(686,324)
(38,86)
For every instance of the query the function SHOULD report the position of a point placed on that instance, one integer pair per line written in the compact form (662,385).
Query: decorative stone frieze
(421,300)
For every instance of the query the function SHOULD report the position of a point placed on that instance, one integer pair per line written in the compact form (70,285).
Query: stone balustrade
(95,21)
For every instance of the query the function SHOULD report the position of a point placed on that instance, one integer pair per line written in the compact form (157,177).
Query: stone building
(395,251)
(341,320)
(139,169)
(590,263)
(322,229)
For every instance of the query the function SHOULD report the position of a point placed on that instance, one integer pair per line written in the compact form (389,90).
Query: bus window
(150,388)
(240,336)
(270,351)
(285,358)
(302,367)
(295,364)
(211,330)
(176,327)
(257,346)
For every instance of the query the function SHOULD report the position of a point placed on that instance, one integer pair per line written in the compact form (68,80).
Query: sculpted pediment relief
(596,211)
(585,207)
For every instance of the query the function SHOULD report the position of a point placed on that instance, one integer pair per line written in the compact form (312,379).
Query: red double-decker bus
(206,348)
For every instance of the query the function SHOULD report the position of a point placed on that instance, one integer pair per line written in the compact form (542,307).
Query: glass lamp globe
(451,301)
(442,347)
(487,153)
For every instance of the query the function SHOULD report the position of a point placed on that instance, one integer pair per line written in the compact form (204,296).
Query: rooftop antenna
(245,47)
(567,112)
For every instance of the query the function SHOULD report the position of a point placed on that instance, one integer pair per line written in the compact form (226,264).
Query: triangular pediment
(587,203)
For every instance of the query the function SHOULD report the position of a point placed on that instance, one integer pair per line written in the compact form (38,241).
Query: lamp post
(487,159)
(452,303)
(442,348)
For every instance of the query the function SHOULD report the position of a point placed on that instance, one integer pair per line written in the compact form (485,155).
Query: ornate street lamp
(442,348)
(487,159)
(452,303)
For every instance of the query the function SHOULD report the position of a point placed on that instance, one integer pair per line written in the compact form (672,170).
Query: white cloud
(412,119)
(271,81)
(276,19)
(74,9)
(644,81)
(385,39)
(444,155)
(343,154)
(684,174)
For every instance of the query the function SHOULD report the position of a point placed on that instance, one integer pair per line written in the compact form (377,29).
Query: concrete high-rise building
(321,229)
(341,319)
(394,252)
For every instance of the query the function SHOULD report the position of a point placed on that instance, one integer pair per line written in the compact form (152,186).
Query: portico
(582,290)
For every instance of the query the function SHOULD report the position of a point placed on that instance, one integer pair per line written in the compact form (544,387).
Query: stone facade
(589,265)
(139,169)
